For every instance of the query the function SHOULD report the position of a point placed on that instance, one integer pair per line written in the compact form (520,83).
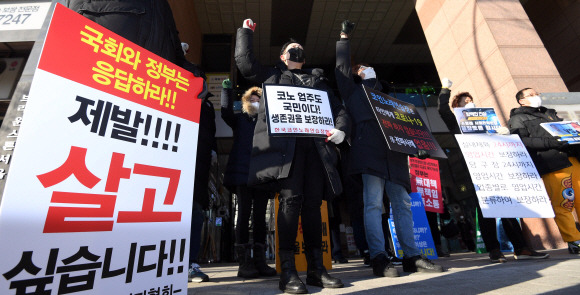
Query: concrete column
(491,49)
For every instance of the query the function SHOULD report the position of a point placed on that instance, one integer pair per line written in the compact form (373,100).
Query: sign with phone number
(23,16)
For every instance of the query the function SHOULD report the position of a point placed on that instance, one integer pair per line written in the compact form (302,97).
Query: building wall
(558,25)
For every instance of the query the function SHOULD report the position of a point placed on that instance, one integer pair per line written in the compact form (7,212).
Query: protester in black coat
(236,178)
(382,170)
(297,167)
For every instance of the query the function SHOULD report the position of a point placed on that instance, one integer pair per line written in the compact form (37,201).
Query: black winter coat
(525,121)
(242,126)
(272,156)
(370,153)
(206,142)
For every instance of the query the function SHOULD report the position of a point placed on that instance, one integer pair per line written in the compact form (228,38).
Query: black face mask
(296,54)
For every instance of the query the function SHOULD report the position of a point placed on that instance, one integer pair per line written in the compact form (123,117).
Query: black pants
(488,230)
(259,198)
(434,226)
(301,195)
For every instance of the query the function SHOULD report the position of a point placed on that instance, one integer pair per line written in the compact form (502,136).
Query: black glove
(421,154)
(347,27)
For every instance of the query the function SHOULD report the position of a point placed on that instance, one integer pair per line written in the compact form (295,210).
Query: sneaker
(382,267)
(496,256)
(420,264)
(196,275)
(574,247)
(526,253)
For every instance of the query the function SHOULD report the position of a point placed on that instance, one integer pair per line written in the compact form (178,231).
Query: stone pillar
(491,49)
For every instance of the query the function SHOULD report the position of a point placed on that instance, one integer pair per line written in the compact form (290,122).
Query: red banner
(108,62)
(426,181)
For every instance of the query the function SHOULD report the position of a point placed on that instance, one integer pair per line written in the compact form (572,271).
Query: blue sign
(421,230)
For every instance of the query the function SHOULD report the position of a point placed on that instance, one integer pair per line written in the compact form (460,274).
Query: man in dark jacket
(382,169)
(555,160)
(297,167)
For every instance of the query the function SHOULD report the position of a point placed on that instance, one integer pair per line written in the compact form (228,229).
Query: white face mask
(256,104)
(469,105)
(535,101)
(369,73)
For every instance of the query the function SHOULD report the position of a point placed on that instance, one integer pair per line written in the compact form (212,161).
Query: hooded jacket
(272,156)
(525,121)
(370,153)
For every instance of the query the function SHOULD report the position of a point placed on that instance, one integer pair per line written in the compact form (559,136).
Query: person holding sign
(236,178)
(300,168)
(487,225)
(382,170)
(556,161)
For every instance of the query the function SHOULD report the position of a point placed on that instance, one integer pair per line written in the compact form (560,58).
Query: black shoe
(260,261)
(526,254)
(290,283)
(395,260)
(382,267)
(247,270)
(574,247)
(289,280)
(441,252)
(340,260)
(316,274)
(420,264)
(366,258)
(496,256)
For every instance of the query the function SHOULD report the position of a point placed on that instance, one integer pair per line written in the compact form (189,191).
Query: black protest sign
(402,125)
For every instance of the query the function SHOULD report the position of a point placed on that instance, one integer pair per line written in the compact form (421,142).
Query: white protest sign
(504,176)
(99,194)
(297,111)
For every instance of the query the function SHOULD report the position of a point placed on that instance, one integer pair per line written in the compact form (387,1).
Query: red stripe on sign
(80,50)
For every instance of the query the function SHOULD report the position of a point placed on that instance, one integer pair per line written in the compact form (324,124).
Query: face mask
(256,105)
(296,54)
(469,105)
(369,73)
(535,101)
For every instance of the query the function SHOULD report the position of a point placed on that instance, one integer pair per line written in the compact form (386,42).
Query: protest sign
(564,130)
(297,111)
(421,230)
(104,207)
(425,180)
(504,176)
(402,125)
(477,120)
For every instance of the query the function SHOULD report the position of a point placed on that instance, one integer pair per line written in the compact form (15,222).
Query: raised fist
(249,24)
(446,83)
(227,83)
(347,27)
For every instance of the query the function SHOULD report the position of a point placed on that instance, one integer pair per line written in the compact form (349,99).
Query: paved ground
(467,273)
